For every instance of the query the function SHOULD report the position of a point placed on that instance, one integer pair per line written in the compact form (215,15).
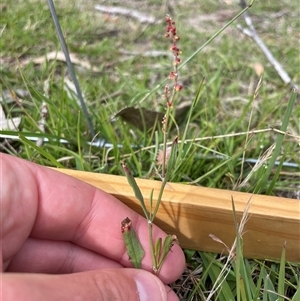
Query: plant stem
(163,184)
(154,263)
(165,138)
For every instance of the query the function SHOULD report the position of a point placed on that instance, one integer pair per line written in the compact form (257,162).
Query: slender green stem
(165,134)
(215,35)
(162,187)
(154,263)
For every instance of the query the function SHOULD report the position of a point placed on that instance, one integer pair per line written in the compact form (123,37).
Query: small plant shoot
(165,161)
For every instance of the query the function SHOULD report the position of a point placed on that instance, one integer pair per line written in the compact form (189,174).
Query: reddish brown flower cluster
(173,75)
(178,87)
(126,225)
(171,33)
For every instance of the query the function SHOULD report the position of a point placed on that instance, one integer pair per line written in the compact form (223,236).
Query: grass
(125,76)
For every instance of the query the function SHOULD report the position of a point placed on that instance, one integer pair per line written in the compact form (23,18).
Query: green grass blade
(41,151)
(281,278)
(151,204)
(213,269)
(262,182)
(276,176)
(259,282)
(193,106)
(80,161)
(170,169)
(296,296)
(269,290)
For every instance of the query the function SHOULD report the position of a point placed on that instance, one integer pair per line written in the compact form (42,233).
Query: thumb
(101,285)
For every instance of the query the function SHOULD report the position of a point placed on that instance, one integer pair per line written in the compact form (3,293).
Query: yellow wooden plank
(192,213)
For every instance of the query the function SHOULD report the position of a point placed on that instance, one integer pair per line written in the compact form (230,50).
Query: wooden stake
(193,213)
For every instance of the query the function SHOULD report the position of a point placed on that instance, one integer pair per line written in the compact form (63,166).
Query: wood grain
(192,213)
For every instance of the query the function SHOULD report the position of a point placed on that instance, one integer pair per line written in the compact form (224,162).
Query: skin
(61,239)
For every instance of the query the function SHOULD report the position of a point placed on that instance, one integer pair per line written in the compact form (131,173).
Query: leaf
(141,118)
(157,249)
(41,151)
(296,295)
(262,183)
(169,242)
(134,248)
(136,189)
(281,278)
(189,254)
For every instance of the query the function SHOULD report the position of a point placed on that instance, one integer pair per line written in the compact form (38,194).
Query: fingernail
(150,287)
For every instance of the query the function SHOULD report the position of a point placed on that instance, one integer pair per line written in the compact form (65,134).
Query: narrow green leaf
(134,248)
(276,175)
(281,278)
(259,282)
(269,290)
(170,169)
(169,241)
(239,255)
(79,162)
(151,203)
(189,254)
(157,250)
(41,151)
(242,277)
(296,296)
(136,189)
(213,268)
(289,110)
(193,106)
(243,292)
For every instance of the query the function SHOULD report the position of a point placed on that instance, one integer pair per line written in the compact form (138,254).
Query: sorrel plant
(165,160)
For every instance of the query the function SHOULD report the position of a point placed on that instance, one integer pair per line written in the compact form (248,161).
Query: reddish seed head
(178,87)
(126,170)
(172,75)
(126,224)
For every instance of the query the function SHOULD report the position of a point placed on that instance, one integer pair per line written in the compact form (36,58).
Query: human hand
(61,240)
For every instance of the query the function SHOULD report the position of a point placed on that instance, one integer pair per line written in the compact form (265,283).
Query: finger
(57,257)
(48,205)
(108,284)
